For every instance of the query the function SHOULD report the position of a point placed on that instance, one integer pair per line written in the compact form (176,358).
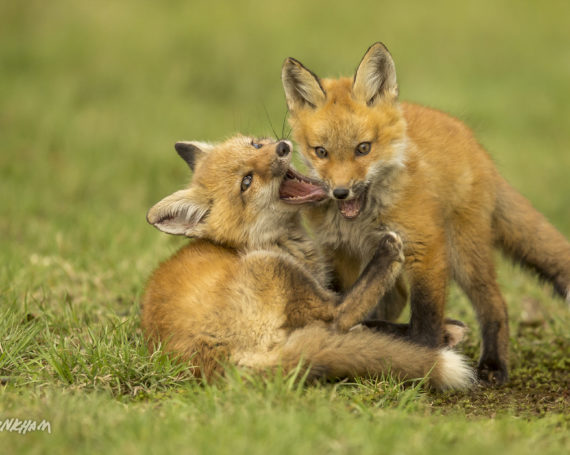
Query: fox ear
(181,213)
(376,76)
(302,87)
(191,152)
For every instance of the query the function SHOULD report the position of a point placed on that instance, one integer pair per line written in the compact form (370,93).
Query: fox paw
(454,332)
(391,245)
(492,373)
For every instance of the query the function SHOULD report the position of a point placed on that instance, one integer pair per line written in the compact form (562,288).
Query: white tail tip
(454,371)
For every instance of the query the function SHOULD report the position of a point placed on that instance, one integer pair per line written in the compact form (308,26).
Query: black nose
(282,149)
(341,193)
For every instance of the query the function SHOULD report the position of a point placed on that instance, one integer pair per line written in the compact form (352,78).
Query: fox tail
(529,239)
(330,355)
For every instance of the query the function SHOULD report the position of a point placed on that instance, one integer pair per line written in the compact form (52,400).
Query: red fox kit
(419,172)
(251,289)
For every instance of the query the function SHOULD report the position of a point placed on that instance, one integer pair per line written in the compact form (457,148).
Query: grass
(92,97)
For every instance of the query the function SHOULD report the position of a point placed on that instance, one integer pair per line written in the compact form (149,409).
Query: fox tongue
(294,189)
(350,209)
(298,189)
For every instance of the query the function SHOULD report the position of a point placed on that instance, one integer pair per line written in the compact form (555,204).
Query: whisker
(283,125)
(270,122)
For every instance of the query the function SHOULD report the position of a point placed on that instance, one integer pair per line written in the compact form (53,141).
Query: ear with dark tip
(181,213)
(191,152)
(302,86)
(375,77)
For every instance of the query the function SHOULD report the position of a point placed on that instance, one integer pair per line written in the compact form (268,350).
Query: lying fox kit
(251,289)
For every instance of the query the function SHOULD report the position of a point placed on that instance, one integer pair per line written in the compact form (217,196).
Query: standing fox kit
(250,290)
(419,172)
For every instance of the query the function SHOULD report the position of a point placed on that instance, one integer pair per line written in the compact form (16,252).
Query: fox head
(243,193)
(352,132)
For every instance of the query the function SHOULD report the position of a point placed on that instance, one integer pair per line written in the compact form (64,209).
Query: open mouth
(352,208)
(298,189)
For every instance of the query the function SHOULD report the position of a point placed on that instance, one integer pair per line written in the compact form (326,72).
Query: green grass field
(92,97)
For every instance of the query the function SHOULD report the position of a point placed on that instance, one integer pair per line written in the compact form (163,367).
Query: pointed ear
(375,77)
(302,87)
(181,213)
(191,152)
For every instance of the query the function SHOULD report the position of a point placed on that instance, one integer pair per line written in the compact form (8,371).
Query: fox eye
(246,181)
(256,145)
(362,149)
(321,152)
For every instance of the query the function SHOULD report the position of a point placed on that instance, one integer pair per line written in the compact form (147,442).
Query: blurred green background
(94,94)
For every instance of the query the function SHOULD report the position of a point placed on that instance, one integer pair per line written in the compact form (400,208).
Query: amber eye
(256,145)
(321,152)
(362,149)
(246,182)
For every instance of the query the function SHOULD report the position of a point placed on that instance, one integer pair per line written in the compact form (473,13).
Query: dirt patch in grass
(539,380)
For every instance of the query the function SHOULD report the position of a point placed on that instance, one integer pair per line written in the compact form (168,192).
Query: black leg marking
(426,321)
(492,369)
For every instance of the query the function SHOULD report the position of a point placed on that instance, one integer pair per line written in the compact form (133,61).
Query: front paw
(391,246)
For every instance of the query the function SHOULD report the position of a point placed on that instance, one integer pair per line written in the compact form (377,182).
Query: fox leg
(474,271)
(393,303)
(492,314)
(378,277)
(307,301)
(454,331)
(427,271)
(428,275)
(346,266)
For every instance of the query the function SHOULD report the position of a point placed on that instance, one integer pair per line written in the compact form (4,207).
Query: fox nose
(341,193)
(282,149)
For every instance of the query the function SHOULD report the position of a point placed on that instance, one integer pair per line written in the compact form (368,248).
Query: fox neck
(305,250)
(291,239)
(388,180)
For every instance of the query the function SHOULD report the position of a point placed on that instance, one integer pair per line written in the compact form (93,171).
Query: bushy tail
(527,237)
(332,355)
